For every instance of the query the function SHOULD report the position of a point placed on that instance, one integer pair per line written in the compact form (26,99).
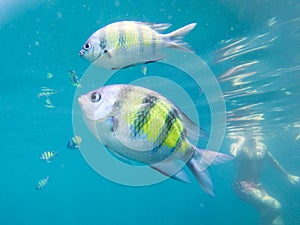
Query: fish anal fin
(199,164)
(171,169)
(123,159)
(153,60)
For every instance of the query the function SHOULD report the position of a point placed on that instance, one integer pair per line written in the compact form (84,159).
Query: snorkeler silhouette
(250,155)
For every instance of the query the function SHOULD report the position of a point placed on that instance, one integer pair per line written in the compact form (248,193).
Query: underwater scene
(150,112)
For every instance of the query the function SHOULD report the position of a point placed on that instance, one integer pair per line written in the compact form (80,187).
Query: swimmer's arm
(292,179)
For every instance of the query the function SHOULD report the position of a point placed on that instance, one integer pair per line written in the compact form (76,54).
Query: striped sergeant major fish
(48,155)
(138,124)
(42,183)
(74,78)
(74,142)
(127,43)
(47,92)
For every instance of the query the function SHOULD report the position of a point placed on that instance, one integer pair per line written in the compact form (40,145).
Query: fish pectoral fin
(172,169)
(112,123)
(109,53)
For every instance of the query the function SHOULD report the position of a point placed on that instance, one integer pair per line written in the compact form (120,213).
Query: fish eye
(95,97)
(87,46)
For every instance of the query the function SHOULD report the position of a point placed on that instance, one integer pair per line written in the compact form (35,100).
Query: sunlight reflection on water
(262,72)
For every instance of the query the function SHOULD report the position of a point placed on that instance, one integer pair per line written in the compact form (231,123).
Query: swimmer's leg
(254,194)
(270,211)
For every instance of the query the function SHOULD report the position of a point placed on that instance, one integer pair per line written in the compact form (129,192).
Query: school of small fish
(46,94)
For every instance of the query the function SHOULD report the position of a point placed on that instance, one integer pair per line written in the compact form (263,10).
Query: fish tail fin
(181,32)
(199,164)
(175,38)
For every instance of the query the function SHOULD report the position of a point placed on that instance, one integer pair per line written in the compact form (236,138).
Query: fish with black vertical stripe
(42,183)
(127,43)
(138,124)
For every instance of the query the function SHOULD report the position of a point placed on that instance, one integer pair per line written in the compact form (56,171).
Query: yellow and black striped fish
(127,43)
(48,155)
(42,183)
(139,124)
(74,142)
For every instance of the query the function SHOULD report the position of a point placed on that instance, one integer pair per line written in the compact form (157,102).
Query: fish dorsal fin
(156,26)
(137,129)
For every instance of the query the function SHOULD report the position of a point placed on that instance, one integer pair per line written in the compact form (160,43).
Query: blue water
(40,37)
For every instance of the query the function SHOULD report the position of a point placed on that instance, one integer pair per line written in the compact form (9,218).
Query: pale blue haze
(40,37)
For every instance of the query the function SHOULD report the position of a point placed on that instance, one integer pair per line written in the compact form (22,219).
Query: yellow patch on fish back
(111,35)
(135,35)
(132,39)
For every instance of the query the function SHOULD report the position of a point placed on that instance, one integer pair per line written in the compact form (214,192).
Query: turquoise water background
(41,37)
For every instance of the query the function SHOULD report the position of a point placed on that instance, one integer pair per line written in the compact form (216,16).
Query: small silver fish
(127,43)
(48,155)
(42,183)
(138,124)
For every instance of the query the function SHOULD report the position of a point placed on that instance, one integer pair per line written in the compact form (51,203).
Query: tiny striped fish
(48,155)
(139,124)
(42,183)
(127,43)
(74,142)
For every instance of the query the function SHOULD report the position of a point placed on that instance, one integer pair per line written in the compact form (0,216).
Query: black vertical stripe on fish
(143,115)
(125,91)
(169,122)
(122,41)
(103,41)
(140,40)
(153,42)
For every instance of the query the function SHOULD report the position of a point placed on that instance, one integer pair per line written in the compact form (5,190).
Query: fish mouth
(82,100)
(83,104)
(81,52)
